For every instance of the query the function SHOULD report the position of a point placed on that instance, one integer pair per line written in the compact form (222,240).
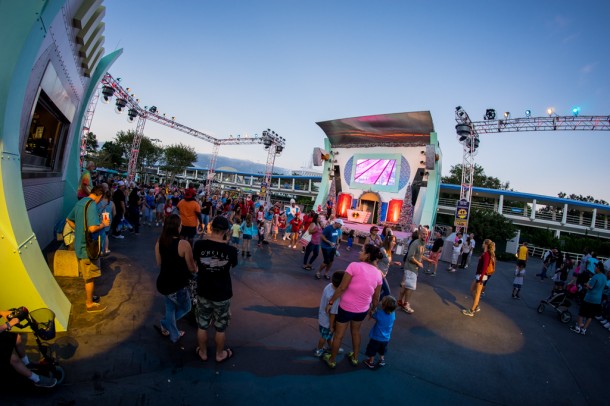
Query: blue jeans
(176,306)
(385,289)
(311,248)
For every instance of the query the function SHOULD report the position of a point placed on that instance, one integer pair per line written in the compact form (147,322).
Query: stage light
(576,111)
(120,105)
(549,111)
(107,92)
(153,109)
(490,114)
(507,115)
(528,113)
(131,115)
(278,149)
(463,131)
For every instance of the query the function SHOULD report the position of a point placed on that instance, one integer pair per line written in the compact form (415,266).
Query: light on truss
(490,114)
(107,93)
(120,105)
(549,111)
(575,111)
(528,113)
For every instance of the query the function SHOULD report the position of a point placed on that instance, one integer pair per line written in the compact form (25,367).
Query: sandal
(352,358)
(198,352)
(326,358)
(229,355)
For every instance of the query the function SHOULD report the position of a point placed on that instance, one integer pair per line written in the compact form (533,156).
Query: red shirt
(296,224)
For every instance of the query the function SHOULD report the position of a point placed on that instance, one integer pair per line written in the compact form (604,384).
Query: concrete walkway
(508,354)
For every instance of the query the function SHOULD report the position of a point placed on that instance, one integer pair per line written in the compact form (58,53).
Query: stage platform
(363,230)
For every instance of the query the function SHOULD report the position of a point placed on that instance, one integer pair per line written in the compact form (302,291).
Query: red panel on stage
(344,204)
(394,211)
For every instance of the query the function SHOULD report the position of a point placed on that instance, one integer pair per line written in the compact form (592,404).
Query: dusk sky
(239,67)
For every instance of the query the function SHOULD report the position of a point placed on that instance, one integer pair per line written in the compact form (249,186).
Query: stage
(363,230)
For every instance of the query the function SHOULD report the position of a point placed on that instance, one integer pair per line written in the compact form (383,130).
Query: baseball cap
(339,221)
(220,223)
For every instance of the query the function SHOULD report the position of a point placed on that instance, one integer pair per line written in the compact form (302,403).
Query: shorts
(235,240)
(325,333)
(89,269)
(7,346)
(478,278)
(521,262)
(517,286)
(188,232)
(376,347)
(328,255)
(435,256)
(409,280)
(208,310)
(343,316)
(486,279)
(247,237)
(589,310)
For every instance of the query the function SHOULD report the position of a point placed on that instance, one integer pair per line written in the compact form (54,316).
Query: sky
(239,67)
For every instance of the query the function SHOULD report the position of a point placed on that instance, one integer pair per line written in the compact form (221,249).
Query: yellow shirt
(522,253)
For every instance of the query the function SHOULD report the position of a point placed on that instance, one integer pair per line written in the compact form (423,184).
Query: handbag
(93,245)
(305,238)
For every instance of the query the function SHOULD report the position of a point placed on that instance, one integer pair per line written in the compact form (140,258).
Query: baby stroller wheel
(565,317)
(541,308)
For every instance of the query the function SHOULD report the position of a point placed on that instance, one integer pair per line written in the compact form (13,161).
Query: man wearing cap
(328,245)
(214,259)
(118,198)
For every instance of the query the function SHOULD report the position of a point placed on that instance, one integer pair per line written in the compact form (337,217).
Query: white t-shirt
(323,317)
(519,274)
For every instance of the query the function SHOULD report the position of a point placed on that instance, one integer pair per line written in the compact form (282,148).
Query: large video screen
(381,172)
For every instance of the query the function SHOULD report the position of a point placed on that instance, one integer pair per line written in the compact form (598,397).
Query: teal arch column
(433,187)
(25,275)
(325,182)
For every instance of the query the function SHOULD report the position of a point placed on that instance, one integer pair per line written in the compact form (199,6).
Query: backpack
(491,267)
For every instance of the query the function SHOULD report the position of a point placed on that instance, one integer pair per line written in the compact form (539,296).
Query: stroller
(42,323)
(560,301)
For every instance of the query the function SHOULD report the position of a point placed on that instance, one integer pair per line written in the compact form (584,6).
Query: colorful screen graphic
(380,172)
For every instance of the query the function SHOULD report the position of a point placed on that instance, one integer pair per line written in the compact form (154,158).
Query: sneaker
(599,317)
(468,312)
(407,309)
(120,237)
(45,382)
(466,267)
(575,329)
(318,353)
(96,308)
(583,331)
(433,274)
(517,297)
(326,358)
(514,297)
(451,270)
(369,364)
(381,363)
(477,309)
(427,271)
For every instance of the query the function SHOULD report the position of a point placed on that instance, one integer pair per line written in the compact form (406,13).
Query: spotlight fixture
(278,149)
(153,109)
(120,105)
(463,131)
(549,111)
(506,115)
(575,111)
(131,115)
(528,113)
(107,93)
(490,114)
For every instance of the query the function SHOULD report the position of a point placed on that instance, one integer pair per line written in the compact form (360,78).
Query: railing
(540,252)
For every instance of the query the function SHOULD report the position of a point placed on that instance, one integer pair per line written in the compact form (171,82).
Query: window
(43,148)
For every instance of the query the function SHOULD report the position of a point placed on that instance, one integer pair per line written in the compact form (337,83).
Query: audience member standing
(175,259)
(118,198)
(486,260)
(214,259)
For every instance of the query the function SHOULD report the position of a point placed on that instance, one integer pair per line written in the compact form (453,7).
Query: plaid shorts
(207,310)
(325,333)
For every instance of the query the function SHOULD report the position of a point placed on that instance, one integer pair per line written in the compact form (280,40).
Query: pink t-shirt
(359,294)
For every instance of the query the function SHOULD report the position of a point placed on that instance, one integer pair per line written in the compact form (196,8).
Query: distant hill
(240,165)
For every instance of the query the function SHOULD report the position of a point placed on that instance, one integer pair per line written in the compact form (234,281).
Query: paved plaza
(508,354)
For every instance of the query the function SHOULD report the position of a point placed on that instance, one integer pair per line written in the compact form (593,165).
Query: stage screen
(380,172)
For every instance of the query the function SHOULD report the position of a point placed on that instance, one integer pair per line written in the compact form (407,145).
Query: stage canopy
(381,129)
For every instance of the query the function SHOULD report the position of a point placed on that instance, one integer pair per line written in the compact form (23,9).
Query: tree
(111,156)
(176,158)
(492,225)
(589,199)
(149,154)
(479,178)
(91,145)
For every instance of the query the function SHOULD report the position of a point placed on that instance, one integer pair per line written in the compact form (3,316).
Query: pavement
(507,354)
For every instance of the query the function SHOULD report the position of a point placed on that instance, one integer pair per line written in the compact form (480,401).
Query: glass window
(42,151)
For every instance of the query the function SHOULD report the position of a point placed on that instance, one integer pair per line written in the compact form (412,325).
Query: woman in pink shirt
(359,289)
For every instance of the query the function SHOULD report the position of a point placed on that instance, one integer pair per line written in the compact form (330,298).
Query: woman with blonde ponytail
(487,261)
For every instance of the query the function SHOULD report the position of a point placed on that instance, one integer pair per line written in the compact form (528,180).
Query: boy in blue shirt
(381,331)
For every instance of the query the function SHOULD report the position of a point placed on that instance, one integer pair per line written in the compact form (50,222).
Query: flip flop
(161,330)
(229,355)
(198,352)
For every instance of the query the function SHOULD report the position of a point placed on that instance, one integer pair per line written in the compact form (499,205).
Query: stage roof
(380,129)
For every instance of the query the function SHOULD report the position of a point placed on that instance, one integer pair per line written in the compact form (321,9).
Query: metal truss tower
(125,101)
(468,135)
